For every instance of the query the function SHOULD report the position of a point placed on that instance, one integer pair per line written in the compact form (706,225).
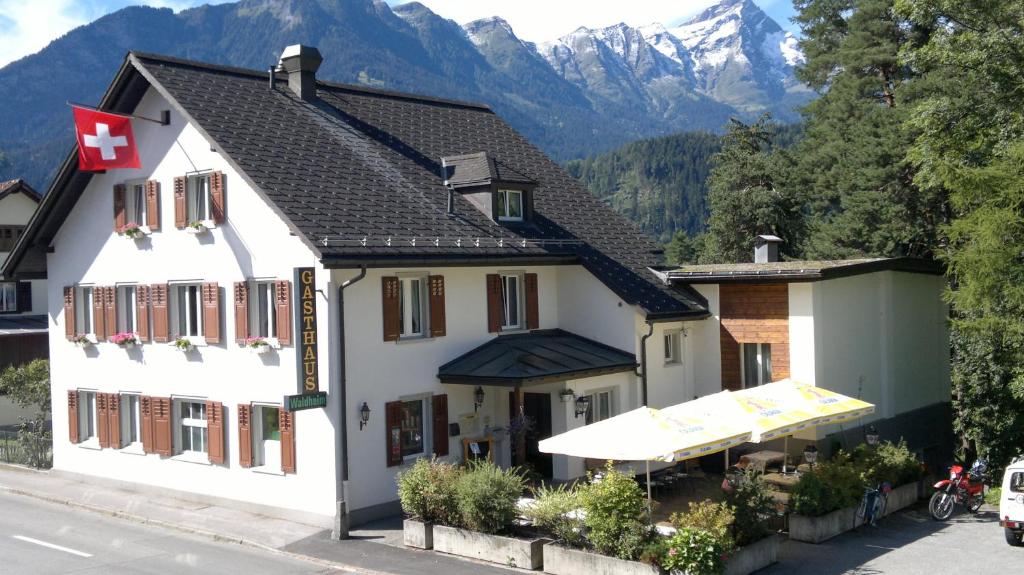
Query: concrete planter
(509,551)
(418,534)
(753,557)
(818,529)
(560,560)
(902,497)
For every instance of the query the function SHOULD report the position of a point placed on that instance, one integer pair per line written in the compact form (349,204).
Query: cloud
(30,26)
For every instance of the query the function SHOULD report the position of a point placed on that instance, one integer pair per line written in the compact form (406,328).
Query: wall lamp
(582,405)
(478,398)
(364,416)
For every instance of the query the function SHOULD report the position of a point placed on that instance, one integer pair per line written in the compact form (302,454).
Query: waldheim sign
(305,401)
(307,357)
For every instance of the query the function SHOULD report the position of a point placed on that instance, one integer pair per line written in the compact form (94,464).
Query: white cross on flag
(105,141)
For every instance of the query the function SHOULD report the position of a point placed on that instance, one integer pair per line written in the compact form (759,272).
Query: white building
(459,278)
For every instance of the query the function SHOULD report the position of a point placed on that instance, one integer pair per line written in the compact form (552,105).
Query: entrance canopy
(536,357)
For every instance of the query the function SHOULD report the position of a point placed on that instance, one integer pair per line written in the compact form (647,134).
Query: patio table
(785,482)
(760,459)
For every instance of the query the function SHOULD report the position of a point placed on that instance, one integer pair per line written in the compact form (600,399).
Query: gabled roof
(357,175)
(535,357)
(479,169)
(796,270)
(18,185)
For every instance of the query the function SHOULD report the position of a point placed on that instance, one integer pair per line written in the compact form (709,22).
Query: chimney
(301,63)
(766,249)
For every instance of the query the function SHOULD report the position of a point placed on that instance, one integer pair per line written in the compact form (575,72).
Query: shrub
(887,461)
(556,511)
(616,515)
(487,497)
(653,553)
(842,481)
(811,496)
(715,518)
(752,505)
(427,491)
(694,551)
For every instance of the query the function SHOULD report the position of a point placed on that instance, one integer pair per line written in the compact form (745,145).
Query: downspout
(341,520)
(643,362)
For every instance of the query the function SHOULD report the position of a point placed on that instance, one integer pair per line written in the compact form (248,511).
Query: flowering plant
(183,344)
(255,342)
(81,340)
(125,338)
(131,230)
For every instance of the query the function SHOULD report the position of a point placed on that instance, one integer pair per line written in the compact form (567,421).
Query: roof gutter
(428,261)
(341,518)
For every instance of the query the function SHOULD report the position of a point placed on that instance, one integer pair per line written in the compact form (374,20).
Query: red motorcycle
(963,488)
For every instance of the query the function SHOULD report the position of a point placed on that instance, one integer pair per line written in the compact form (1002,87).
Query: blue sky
(27,26)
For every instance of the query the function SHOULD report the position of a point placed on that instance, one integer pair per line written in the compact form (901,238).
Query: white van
(1011,504)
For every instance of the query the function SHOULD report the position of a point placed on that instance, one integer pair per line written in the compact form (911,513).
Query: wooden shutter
(98,316)
(69,312)
(391,302)
(286,424)
(146,420)
(283,309)
(393,414)
(73,415)
(102,418)
(110,309)
(244,435)
(180,202)
(493,303)
(437,317)
(114,420)
(439,412)
(142,312)
(24,297)
(532,311)
(162,426)
(211,312)
(241,297)
(152,205)
(161,317)
(215,431)
(217,197)
(120,217)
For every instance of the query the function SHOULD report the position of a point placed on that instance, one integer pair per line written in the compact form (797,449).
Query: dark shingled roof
(18,185)
(476,170)
(535,357)
(797,270)
(19,324)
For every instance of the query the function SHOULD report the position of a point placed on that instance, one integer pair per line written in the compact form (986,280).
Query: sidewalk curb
(220,538)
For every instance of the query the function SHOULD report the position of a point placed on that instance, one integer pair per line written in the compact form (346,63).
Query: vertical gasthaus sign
(307,358)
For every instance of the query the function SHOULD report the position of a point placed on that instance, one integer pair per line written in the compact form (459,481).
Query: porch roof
(19,324)
(533,358)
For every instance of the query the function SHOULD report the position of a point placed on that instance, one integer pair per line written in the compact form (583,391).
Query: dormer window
(510,206)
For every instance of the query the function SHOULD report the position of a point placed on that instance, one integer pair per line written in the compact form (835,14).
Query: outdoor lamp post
(364,416)
(811,455)
(582,405)
(871,436)
(566,395)
(478,398)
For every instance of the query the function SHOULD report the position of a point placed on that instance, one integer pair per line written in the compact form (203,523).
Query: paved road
(41,537)
(908,543)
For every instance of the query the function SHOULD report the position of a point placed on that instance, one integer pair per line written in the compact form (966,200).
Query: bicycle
(872,505)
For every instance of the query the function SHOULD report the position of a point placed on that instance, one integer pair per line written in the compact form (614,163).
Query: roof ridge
(262,74)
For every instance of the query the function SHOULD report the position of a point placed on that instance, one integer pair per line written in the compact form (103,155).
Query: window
(131,421)
(87,417)
(600,406)
(127,310)
(84,320)
(1017,482)
(510,300)
(414,428)
(412,305)
(9,237)
(198,198)
(187,310)
(263,311)
(135,203)
(672,347)
(266,436)
(8,296)
(191,421)
(756,364)
(510,205)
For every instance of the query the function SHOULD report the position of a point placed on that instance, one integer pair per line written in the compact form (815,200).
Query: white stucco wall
(252,243)
(801,332)
(704,342)
(16,210)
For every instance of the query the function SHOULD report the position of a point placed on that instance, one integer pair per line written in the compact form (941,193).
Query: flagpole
(165,122)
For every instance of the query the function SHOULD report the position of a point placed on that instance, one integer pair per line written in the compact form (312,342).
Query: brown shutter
(161,318)
(393,415)
(69,312)
(244,435)
(215,431)
(73,415)
(437,317)
(439,413)
(162,426)
(391,312)
(286,424)
(532,311)
(102,418)
(493,303)
(217,197)
(24,297)
(110,309)
(283,308)
(98,315)
(241,297)
(152,205)
(114,420)
(120,218)
(142,312)
(180,203)
(211,312)
(146,420)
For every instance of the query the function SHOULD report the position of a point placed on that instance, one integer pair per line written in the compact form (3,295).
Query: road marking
(51,545)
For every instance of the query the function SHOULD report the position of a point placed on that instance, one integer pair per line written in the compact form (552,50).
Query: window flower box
(126,340)
(134,231)
(509,551)
(200,226)
(83,340)
(260,345)
(183,344)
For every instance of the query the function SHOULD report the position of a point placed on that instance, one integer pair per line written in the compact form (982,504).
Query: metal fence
(26,449)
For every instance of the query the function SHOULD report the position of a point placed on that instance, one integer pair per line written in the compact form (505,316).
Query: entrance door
(537,407)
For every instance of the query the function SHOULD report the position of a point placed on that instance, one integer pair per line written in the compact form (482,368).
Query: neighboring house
(22,303)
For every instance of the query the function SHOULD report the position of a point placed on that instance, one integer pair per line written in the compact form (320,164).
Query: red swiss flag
(105,141)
